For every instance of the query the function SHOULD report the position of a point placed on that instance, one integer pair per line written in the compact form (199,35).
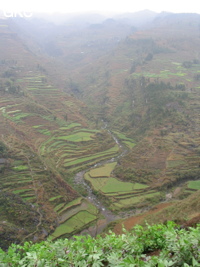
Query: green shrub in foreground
(177,247)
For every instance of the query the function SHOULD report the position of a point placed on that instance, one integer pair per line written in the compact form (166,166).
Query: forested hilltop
(99,125)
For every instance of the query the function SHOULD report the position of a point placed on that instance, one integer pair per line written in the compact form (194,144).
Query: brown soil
(154,253)
(177,191)
(132,221)
(193,222)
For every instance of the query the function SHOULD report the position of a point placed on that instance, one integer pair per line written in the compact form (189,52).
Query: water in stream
(79,178)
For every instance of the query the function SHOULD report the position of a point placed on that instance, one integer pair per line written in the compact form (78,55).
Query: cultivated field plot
(119,194)
(76,215)
(25,176)
(165,69)
(194,185)
(61,145)
(38,87)
(17,177)
(26,118)
(57,103)
(72,147)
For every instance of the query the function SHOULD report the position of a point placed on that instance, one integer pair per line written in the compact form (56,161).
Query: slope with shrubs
(148,88)
(37,121)
(158,245)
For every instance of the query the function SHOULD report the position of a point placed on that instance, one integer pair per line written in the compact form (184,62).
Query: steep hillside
(95,120)
(43,136)
(148,87)
(164,102)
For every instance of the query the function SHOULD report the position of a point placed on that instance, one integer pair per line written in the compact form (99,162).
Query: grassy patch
(103,171)
(21,168)
(111,185)
(78,221)
(90,158)
(58,207)
(54,198)
(20,116)
(164,74)
(21,191)
(114,185)
(194,185)
(97,183)
(133,200)
(71,204)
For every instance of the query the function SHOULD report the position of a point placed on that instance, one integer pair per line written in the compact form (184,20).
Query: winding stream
(79,178)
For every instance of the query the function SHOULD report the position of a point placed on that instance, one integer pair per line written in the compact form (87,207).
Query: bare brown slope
(185,212)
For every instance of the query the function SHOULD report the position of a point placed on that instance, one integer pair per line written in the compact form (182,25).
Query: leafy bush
(177,247)
(3,148)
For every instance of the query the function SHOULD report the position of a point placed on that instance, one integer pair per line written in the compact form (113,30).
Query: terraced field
(118,194)
(166,69)
(74,216)
(191,187)
(44,147)
(38,86)
(147,88)
(60,106)
(72,148)
(194,185)
(63,147)
(27,176)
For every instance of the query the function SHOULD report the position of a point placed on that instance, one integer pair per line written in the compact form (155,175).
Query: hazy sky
(100,5)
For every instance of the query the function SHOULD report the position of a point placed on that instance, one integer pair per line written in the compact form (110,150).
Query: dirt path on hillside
(133,220)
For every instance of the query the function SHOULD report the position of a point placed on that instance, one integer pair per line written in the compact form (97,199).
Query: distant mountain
(179,19)
(137,19)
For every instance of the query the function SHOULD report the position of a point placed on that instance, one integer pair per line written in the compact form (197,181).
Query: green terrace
(170,70)
(74,148)
(18,180)
(194,185)
(38,86)
(118,194)
(18,115)
(26,177)
(75,216)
